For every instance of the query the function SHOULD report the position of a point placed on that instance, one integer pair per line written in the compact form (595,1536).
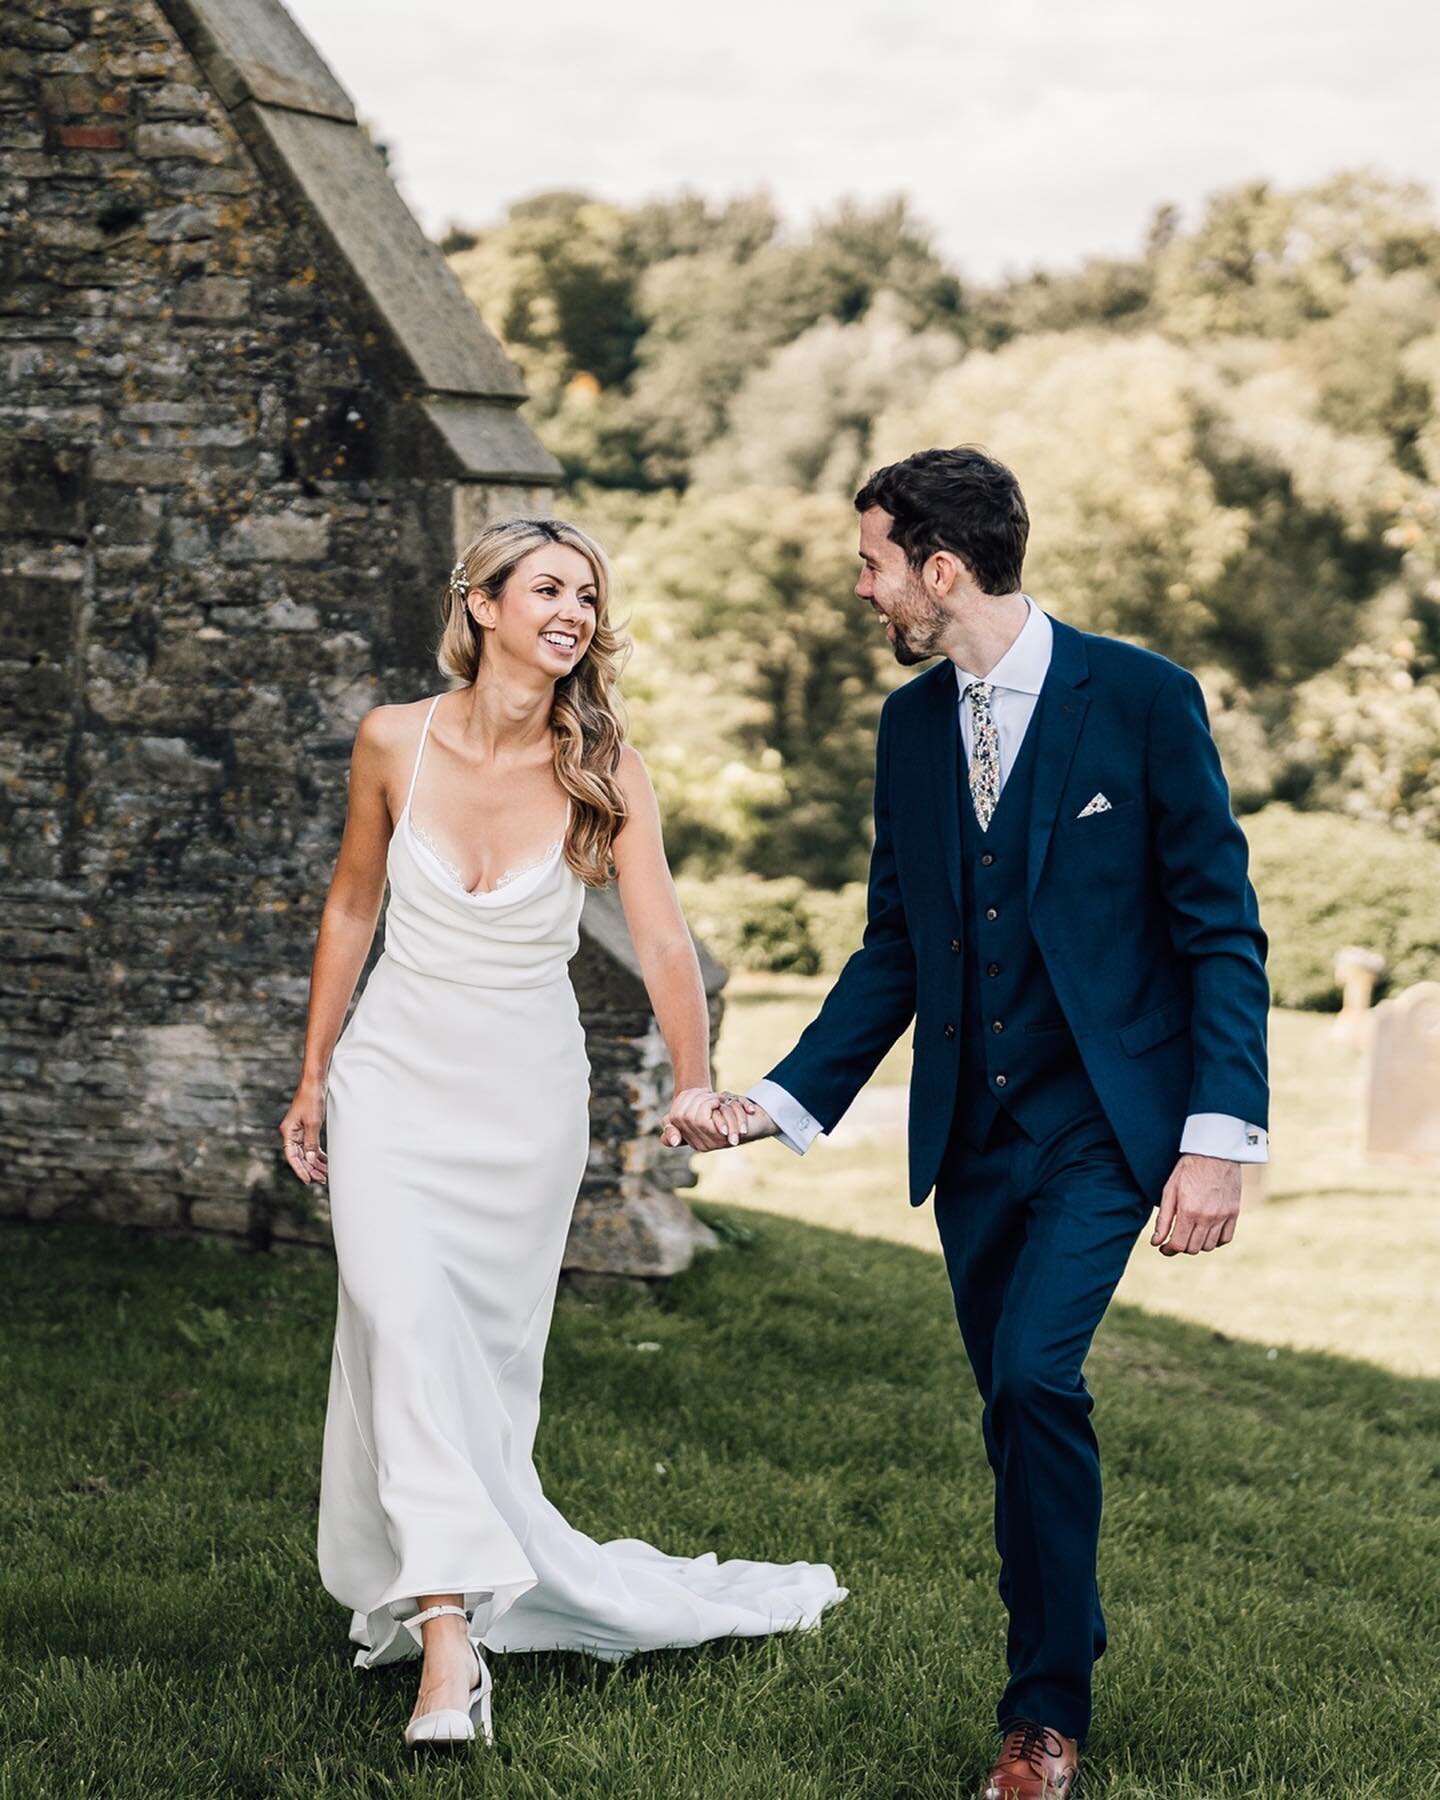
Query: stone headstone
(1403,1090)
(1356,972)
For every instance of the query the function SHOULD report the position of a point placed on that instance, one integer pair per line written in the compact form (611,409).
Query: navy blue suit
(1144,915)
(1079,987)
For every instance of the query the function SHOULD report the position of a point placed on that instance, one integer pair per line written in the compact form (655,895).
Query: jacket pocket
(1154,1027)
(1123,814)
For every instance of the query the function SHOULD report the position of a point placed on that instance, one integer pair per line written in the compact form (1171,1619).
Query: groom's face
(914,619)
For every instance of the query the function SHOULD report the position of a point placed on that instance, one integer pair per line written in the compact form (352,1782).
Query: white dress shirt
(1016,681)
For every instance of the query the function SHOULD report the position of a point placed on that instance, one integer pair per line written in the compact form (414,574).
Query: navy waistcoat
(1017,1053)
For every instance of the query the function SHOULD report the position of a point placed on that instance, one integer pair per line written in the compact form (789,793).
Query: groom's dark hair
(959,500)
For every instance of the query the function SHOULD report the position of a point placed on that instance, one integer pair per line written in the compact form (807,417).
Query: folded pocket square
(1098,805)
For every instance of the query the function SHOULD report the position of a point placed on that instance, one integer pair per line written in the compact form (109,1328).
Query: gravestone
(1356,971)
(1402,1115)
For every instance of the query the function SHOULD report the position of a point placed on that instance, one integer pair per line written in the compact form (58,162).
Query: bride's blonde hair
(585,718)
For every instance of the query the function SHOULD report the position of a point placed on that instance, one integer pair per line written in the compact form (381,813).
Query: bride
(455,1110)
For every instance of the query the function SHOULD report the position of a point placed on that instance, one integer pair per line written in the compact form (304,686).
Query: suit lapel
(943,729)
(1059,715)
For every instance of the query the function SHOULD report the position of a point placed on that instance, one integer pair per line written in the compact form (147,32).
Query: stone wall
(224,529)
(629,1219)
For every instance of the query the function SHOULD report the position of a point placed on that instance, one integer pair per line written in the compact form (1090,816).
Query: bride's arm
(668,963)
(347,926)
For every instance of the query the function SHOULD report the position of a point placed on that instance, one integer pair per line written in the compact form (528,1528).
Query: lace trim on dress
(455,875)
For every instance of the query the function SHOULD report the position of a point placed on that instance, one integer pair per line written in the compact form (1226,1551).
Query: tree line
(1230,444)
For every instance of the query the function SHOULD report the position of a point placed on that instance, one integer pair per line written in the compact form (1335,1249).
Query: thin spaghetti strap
(419,752)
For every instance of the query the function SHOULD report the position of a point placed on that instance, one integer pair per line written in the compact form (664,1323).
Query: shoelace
(1029,1743)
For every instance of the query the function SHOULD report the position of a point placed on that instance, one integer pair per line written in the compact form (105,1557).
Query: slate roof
(300,125)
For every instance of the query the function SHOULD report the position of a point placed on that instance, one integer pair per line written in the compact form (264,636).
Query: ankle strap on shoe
(433,1612)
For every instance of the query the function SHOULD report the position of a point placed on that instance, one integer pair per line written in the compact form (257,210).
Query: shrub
(780,927)
(1325,882)
(751,923)
(837,923)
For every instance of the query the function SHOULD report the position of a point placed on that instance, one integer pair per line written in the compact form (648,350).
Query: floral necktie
(984,753)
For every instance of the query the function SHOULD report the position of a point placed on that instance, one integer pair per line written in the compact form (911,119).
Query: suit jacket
(1144,914)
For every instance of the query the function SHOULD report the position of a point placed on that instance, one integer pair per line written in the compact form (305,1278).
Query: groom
(1058,898)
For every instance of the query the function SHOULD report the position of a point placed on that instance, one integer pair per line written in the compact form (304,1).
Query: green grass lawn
(1269,1558)
(1343,1254)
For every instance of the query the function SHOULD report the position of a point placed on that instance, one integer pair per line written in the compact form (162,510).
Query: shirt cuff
(1218,1134)
(797,1130)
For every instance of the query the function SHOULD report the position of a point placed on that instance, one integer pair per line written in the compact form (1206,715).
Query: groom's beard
(905,654)
(918,629)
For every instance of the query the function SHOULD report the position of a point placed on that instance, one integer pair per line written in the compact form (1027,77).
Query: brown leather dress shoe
(1034,1763)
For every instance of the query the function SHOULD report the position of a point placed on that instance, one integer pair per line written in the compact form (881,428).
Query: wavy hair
(959,500)
(585,718)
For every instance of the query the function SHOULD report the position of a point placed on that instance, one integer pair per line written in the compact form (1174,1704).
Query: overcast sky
(1026,132)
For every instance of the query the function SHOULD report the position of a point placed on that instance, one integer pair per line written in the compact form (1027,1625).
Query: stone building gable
(236,448)
(300,127)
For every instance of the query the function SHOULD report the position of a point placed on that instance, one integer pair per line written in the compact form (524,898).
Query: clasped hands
(707,1119)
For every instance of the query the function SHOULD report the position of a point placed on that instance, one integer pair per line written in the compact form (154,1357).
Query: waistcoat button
(992,969)
(999,1025)
(950,1031)
(955,945)
(987,859)
(991,913)
(1000,1080)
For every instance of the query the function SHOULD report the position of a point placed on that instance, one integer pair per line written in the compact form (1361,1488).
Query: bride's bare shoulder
(385,744)
(632,775)
(391,727)
(386,740)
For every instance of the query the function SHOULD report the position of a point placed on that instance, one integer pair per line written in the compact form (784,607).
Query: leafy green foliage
(1368,734)
(836,919)
(757,680)
(776,927)
(1265,262)
(1230,445)
(1325,883)
(635,329)
(751,923)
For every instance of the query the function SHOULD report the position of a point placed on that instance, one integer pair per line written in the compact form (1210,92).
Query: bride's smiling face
(545,618)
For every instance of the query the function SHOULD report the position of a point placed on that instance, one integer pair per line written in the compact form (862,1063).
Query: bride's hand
(704,1119)
(300,1133)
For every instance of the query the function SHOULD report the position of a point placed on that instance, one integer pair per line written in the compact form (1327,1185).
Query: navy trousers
(1036,1236)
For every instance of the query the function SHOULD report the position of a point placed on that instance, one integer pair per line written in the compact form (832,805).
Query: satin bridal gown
(457,1131)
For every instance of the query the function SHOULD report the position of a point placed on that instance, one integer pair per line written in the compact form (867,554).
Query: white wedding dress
(457,1133)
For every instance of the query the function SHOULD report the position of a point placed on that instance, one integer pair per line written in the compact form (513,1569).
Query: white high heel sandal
(449,1726)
